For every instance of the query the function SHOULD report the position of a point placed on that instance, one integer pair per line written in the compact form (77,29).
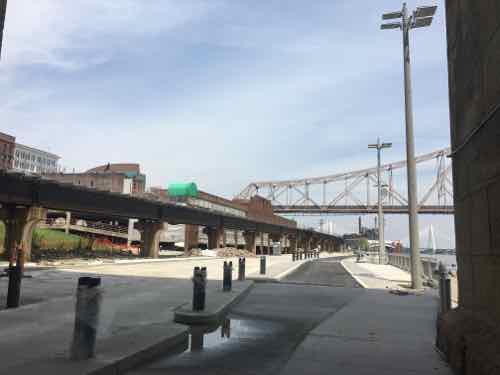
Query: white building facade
(33,161)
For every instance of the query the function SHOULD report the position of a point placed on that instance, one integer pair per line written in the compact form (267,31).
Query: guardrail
(429,266)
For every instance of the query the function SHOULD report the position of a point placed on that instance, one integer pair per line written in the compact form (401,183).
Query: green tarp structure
(183,190)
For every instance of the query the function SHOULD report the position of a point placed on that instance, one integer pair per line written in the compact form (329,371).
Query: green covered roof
(188,189)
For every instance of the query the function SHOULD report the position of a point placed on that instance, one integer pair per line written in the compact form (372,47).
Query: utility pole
(381,241)
(421,17)
(3,10)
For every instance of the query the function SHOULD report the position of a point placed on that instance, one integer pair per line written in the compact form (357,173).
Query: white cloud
(72,34)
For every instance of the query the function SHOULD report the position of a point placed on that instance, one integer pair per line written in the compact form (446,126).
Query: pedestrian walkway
(378,333)
(377,276)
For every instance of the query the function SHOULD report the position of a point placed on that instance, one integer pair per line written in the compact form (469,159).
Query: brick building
(7,146)
(116,178)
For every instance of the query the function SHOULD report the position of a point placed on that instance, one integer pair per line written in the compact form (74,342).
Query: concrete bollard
(227,282)
(241,269)
(263,265)
(88,302)
(199,287)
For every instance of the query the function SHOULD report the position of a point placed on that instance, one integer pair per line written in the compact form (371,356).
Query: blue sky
(222,92)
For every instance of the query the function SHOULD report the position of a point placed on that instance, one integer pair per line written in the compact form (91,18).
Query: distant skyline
(220,92)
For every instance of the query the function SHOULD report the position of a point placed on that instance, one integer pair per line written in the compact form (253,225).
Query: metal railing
(429,266)
(84,224)
(436,274)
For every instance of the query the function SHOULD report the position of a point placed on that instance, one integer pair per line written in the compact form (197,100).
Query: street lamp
(381,241)
(421,17)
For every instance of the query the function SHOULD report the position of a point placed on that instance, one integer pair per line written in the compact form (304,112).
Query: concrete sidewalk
(377,334)
(136,319)
(377,276)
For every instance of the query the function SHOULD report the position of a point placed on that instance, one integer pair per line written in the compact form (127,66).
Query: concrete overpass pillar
(20,222)
(151,238)
(262,242)
(269,240)
(250,239)
(307,243)
(235,239)
(130,231)
(293,245)
(214,237)
(191,237)
(67,224)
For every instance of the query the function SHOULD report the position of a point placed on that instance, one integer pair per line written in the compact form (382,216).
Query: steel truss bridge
(350,192)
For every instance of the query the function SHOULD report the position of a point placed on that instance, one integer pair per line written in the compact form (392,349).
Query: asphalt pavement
(317,321)
(262,332)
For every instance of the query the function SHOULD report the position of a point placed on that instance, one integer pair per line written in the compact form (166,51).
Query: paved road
(267,326)
(328,272)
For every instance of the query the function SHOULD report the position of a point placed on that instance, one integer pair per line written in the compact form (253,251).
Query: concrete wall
(470,332)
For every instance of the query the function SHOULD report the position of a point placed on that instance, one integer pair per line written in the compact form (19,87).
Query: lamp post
(3,10)
(381,241)
(421,17)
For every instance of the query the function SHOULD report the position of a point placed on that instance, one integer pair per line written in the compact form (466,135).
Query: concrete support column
(262,243)
(67,224)
(235,239)
(269,240)
(224,238)
(307,244)
(20,222)
(151,238)
(214,237)
(293,245)
(250,239)
(130,231)
(191,237)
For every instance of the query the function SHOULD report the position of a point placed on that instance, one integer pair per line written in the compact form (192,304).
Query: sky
(220,92)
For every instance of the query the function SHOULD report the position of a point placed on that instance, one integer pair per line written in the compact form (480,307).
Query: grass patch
(53,239)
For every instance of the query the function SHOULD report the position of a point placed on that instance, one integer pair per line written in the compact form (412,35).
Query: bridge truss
(350,192)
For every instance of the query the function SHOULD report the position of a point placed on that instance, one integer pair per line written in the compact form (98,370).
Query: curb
(213,314)
(358,280)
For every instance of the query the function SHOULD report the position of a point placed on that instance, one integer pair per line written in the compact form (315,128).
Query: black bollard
(263,265)
(293,257)
(199,285)
(88,302)
(14,288)
(15,274)
(241,269)
(228,277)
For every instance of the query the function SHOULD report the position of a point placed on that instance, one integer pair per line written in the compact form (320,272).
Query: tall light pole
(3,10)
(421,17)
(381,240)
